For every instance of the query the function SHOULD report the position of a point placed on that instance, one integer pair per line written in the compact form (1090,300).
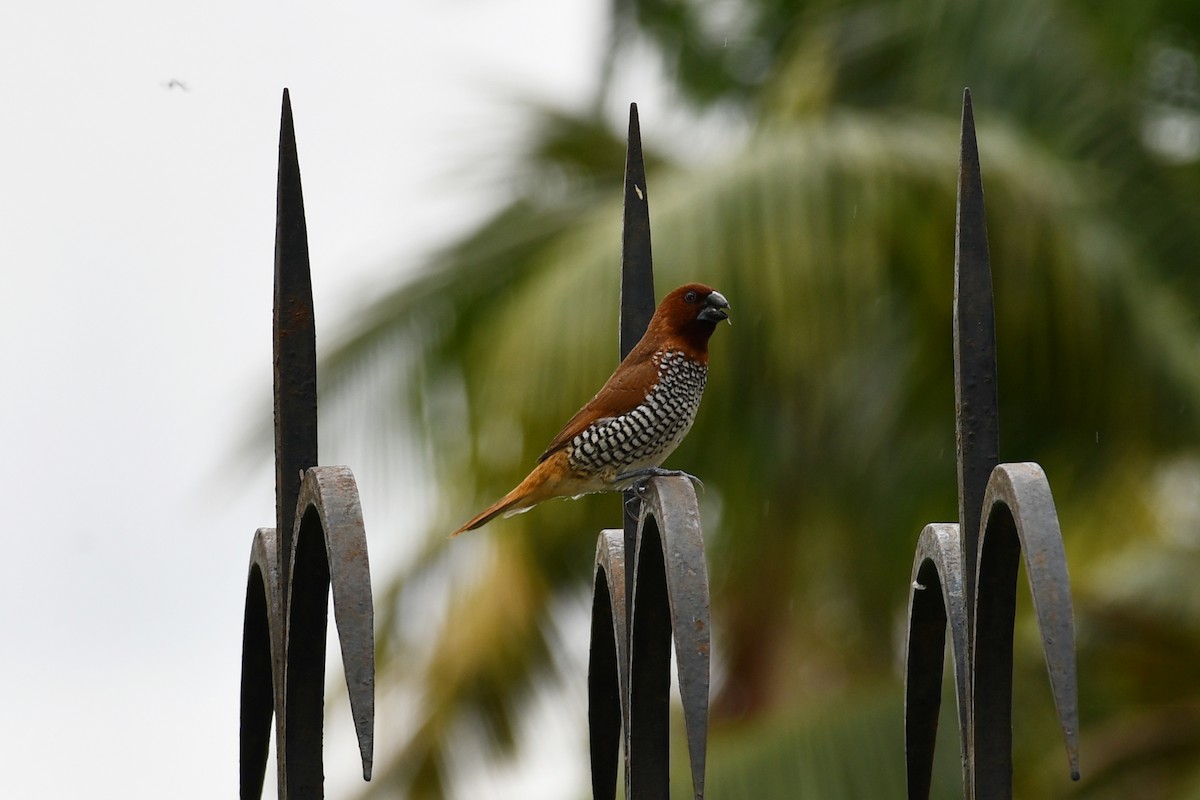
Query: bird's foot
(641,477)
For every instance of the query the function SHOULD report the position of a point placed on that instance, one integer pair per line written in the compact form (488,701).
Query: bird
(621,437)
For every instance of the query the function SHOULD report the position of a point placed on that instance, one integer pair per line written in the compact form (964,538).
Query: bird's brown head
(690,314)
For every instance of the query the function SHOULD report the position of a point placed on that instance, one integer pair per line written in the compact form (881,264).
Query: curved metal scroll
(671,567)
(936,601)
(330,548)
(262,660)
(1021,521)
(670,605)
(608,687)
(283,651)
(318,542)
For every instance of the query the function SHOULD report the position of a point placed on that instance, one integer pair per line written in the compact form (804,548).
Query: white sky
(136,246)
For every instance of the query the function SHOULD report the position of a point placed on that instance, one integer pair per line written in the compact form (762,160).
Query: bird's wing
(624,391)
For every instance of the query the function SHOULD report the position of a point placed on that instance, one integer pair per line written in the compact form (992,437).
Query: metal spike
(295,349)
(1021,521)
(637,269)
(975,394)
(637,286)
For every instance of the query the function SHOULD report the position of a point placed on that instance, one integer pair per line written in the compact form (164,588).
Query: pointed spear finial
(977,428)
(637,270)
(294,340)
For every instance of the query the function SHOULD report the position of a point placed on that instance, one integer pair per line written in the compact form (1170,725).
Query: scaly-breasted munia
(640,415)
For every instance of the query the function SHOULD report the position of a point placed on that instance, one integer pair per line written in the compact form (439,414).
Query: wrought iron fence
(650,579)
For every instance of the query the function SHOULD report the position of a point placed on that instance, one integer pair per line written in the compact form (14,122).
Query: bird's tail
(539,485)
(501,506)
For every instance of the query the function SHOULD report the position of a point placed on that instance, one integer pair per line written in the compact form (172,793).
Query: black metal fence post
(319,542)
(650,587)
(964,575)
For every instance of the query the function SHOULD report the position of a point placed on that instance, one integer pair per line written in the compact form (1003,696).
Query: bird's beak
(715,308)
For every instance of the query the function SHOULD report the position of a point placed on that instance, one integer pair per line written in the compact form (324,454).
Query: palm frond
(831,239)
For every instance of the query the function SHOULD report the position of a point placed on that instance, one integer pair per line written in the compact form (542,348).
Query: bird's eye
(690,297)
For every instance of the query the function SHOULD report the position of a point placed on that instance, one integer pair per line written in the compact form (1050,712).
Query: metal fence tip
(637,269)
(633,144)
(968,123)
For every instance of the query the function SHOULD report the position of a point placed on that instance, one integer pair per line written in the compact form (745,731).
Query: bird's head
(691,313)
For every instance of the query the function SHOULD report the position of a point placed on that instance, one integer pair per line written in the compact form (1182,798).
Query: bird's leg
(641,477)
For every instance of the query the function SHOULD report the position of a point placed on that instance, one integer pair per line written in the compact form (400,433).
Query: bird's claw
(641,478)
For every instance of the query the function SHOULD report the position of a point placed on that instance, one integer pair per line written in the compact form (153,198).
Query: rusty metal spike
(608,689)
(294,340)
(975,393)
(936,600)
(1021,521)
(671,504)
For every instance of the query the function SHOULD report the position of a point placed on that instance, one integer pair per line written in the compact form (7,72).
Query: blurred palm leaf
(826,439)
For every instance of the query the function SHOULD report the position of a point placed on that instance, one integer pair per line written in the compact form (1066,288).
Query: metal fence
(650,586)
